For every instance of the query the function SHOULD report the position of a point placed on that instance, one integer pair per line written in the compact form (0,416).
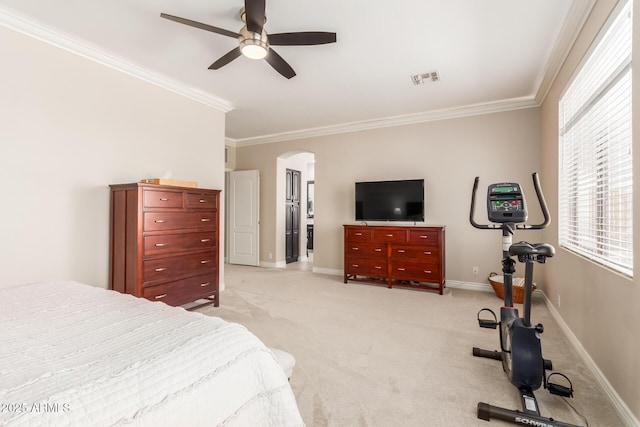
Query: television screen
(390,200)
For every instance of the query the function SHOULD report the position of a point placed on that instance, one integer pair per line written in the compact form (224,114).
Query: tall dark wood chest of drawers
(165,243)
(404,256)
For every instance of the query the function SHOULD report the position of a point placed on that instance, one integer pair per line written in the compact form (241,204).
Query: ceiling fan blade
(304,38)
(279,64)
(255,10)
(200,25)
(228,57)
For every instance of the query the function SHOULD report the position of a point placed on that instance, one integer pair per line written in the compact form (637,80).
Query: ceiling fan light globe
(253,51)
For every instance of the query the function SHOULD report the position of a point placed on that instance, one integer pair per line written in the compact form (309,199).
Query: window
(595,158)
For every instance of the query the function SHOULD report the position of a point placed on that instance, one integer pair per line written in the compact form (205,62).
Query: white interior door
(243,219)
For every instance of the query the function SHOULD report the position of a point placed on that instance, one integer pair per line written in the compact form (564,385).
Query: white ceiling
(490,54)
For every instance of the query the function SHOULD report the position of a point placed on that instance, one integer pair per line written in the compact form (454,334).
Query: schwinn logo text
(530,422)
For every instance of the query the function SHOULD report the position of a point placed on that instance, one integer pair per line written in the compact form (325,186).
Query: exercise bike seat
(524,248)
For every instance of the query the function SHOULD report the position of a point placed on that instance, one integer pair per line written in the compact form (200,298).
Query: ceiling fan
(253,41)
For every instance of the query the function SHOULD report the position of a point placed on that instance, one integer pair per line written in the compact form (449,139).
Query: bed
(72,354)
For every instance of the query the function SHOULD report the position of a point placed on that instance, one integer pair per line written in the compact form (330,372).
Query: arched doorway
(295,211)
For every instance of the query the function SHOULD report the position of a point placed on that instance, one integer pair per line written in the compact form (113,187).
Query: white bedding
(72,354)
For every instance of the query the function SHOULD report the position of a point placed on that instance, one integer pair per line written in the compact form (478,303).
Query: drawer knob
(400,269)
(358,234)
(355,265)
(160,296)
(164,199)
(401,251)
(159,245)
(205,240)
(378,267)
(202,201)
(355,249)
(424,237)
(204,284)
(378,249)
(389,235)
(427,252)
(205,261)
(428,271)
(205,219)
(160,269)
(159,221)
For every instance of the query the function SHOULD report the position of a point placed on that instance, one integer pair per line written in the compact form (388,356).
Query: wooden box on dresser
(164,243)
(401,256)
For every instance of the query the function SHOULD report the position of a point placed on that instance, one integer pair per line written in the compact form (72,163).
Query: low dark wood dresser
(395,256)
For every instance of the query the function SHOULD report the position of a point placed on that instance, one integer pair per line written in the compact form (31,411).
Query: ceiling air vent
(419,79)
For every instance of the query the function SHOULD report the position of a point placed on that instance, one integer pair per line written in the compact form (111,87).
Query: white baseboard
(279,264)
(471,286)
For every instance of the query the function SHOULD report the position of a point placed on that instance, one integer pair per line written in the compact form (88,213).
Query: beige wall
(69,128)
(448,154)
(600,307)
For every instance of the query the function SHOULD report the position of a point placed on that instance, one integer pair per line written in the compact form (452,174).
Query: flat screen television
(401,200)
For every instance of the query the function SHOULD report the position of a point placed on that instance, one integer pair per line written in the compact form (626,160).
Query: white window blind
(595,157)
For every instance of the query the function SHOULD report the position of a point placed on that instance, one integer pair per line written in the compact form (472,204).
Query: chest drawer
(182,291)
(171,268)
(161,199)
(167,243)
(367,267)
(414,253)
(201,201)
(420,272)
(358,234)
(395,235)
(158,221)
(365,249)
(425,237)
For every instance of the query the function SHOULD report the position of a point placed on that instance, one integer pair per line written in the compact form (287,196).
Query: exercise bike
(520,346)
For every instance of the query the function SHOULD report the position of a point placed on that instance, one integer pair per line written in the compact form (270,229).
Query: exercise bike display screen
(505,203)
(504,188)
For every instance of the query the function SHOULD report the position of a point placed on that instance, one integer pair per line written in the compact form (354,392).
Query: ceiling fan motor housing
(253,45)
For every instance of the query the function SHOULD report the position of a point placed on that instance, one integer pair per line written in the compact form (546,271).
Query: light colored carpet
(371,356)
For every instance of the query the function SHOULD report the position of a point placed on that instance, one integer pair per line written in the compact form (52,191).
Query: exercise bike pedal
(558,389)
(488,323)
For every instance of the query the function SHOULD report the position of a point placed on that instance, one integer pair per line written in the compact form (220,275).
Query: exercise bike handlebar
(541,202)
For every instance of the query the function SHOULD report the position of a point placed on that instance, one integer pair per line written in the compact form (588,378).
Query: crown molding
(577,16)
(230,142)
(428,116)
(21,25)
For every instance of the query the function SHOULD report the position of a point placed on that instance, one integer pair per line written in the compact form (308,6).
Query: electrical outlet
(475,270)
